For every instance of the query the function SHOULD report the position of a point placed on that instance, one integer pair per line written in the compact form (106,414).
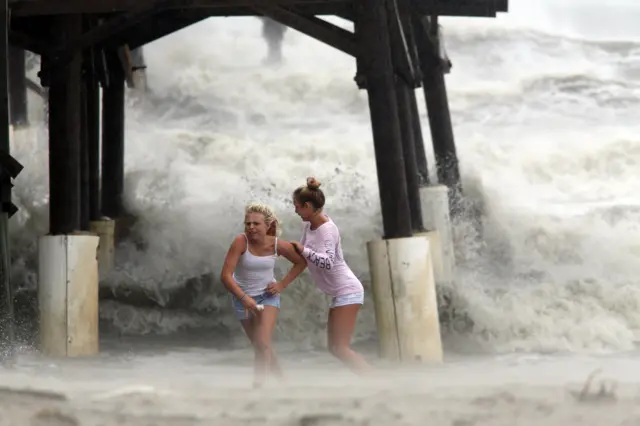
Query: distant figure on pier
(273,33)
(321,247)
(248,270)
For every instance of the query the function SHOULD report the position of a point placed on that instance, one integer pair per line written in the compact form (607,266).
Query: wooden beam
(161,25)
(487,8)
(36,88)
(169,21)
(64,51)
(27,42)
(318,29)
(475,8)
(54,7)
(501,5)
(405,58)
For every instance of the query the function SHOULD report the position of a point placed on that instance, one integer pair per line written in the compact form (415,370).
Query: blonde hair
(270,219)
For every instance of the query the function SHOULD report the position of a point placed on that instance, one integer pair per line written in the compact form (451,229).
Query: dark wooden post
(93,135)
(404,16)
(406,78)
(64,132)
(435,91)
(84,153)
(18,87)
(376,74)
(409,153)
(7,333)
(113,99)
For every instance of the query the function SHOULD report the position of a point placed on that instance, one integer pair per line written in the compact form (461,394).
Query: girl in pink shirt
(320,246)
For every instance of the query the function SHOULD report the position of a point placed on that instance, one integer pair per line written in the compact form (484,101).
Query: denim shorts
(265,299)
(348,299)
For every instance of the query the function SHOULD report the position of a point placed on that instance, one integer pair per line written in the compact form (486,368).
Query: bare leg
(262,325)
(341,323)
(274,365)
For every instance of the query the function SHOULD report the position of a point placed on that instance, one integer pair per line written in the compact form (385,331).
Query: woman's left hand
(275,288)
(297,247)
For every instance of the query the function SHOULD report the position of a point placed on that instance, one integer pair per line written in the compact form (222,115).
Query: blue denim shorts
(348,299)
(265,299)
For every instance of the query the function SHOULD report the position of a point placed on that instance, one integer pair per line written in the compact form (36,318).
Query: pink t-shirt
(323,252)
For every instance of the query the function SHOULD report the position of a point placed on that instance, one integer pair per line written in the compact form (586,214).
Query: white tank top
(254,273)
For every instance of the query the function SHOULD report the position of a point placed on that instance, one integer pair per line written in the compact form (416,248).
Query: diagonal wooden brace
(323,31)
(405,60)
(63,52)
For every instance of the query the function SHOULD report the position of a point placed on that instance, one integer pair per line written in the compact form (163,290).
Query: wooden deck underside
(138,22)
(486,8)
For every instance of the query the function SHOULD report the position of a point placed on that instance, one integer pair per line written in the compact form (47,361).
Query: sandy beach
(191,385)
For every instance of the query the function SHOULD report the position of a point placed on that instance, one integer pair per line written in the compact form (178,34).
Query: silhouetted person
(273,33)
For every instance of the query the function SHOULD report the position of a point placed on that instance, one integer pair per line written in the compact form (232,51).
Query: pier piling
(407,75)
(401,262)
(84,156)
(9,169)
(113,121)
(18,88)
(92,99)
(376,74)
(67,265)
(64,133)
(435,91)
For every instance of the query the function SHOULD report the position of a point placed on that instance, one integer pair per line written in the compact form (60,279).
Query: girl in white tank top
(248,274)
(254,273)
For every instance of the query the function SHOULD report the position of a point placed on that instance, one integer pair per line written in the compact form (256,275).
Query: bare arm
(299,264)
(230,262)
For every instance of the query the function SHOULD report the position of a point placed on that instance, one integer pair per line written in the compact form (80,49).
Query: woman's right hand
(249,304)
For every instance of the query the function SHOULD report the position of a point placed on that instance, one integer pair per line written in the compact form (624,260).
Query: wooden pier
(85,47)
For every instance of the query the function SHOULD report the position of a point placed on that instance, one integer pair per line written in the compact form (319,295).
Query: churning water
(544,102)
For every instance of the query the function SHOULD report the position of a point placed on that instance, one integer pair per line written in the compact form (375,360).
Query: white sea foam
(545,111)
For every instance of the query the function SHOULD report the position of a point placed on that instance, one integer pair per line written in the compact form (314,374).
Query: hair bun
(312,183)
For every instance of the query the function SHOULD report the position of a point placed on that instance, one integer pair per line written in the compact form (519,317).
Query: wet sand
(191,385)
